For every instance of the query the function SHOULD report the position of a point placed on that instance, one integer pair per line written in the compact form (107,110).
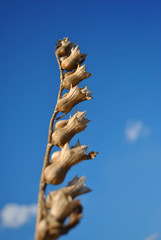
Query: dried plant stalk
(61,204)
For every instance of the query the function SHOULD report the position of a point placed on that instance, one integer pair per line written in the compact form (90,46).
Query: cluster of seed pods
(61,204)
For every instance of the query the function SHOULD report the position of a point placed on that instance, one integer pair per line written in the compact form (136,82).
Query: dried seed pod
(69,63)
(62,205)
(64,47)
(74,78)
(72,98)
(60,124)
(52,226)
(75,124)
(55,156)
(42,229)
(75,188)
(56,172)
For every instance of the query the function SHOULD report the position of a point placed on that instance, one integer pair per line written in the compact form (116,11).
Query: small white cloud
(152,237)
(135,130)
(14,215)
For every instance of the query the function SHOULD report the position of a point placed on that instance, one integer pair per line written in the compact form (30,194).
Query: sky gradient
(123,43)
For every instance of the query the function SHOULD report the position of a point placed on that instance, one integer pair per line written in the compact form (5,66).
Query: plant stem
(42,211)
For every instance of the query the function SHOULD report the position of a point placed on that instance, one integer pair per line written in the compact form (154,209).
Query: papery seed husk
(55,156)
(64,47)
(74,78)
(61,136)
(75,124)
(42,229)
(60,124)
(55,174)
(75,188)
(70,62)
(72,98)
(62,206)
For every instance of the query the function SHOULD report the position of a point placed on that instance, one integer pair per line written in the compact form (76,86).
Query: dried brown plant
(61,204)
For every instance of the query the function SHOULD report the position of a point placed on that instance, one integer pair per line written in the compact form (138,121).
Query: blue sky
(123,43)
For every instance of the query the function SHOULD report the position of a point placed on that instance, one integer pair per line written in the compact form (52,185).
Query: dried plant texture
(72,98)
(74,78)
(62,206)
(63,47)
(69,63)
(75,124)
(59,211)
(75,188)
(63,160)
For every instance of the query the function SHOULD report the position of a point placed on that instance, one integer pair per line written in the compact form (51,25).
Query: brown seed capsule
(55,156)
(74,78)
(64,47)
(69,63)
(62,206)
(60,124)
(75,124)
(56,172)
(72,98)
(75,188)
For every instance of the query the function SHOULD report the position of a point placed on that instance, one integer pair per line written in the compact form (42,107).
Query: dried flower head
(72,98)
(56,171)
(75,124)
(75,188)
(74,78)
(62,206)
(70,62)
(63,47)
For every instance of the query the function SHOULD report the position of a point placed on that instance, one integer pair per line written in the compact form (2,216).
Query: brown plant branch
(42,211)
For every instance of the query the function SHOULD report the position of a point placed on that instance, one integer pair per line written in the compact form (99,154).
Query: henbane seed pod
(74,78)
(75,188)
(69,63)
(72,98)
(75,124)
(64,47)
(56,172)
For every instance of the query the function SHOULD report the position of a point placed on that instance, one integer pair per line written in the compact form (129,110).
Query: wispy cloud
(152,237)
(14,215)
(135,129)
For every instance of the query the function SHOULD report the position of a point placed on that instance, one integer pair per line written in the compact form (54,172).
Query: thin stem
(60,117)
(42,211)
